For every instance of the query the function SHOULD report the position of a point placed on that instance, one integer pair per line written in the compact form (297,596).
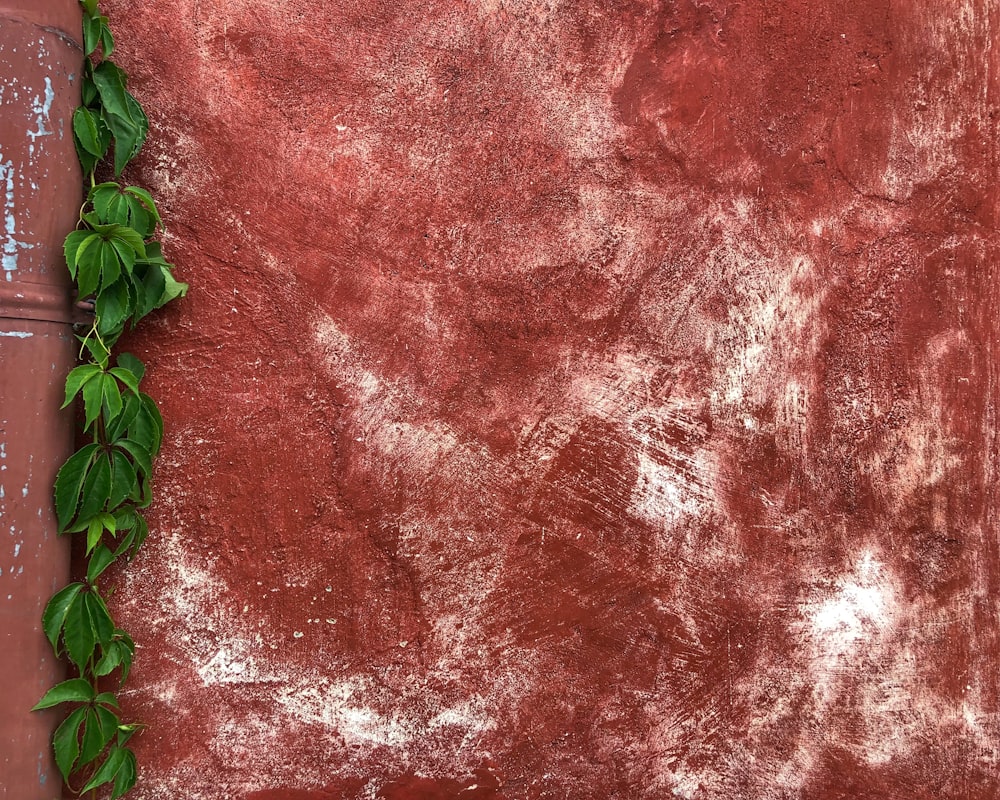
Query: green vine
(120,273)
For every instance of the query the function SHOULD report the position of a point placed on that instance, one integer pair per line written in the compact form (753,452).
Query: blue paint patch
(41,109)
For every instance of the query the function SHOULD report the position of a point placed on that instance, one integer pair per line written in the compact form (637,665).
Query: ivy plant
(100,492)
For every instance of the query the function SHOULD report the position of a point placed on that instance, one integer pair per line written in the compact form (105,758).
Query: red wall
(576,399)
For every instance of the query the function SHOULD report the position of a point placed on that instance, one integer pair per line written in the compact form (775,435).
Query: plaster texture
(589,400)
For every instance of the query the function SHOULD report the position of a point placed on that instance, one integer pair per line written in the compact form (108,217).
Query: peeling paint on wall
(575,400)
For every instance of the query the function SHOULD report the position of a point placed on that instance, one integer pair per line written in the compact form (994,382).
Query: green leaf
(116,210)
(127,649)
(92,238)
(132,364)
(101,727)
(126,135)
(108,770)
(142,494)
(123,478)
(129,132)
(153,285)
(136,535)
(91,33)
(69,483)
(107,38)
(147,200)
(125,779)
(55,613)
(88,89)
(79,635)
(113,307)
(88,162)
(128,542)
(93,397)
(66,742)
(102,196)
(75,690)
(85,130)
(112,396)
(154,414)
(96,527)
(126,376)
(121,112)
(94,221)
(172,289)
(110,660)
(131,239)
(93,738)
(71,248)
(125,518)
(109,721)
(140,456)
(127,145)
(140,219)
(104,626)
(77,378)
(90,6)
(115,207)
(110,81)
(96,487)
(95,530)
(126,732)
(110,522)
(124,254)
(147,429)
(90,263)
(117,427)
(103,135)
(154,253)
(111,262)
(108,698)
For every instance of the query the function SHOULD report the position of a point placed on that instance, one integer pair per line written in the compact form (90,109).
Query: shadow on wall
(483,785)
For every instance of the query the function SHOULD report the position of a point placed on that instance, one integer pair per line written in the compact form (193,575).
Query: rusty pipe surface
(40,180)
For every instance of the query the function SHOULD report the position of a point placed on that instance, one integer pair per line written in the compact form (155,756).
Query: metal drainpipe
(40,189)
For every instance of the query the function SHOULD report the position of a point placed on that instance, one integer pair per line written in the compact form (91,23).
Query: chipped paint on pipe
(40,187)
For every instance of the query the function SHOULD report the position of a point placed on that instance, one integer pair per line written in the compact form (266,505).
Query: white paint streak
(343,706)
(339,706)
(673,483)
(857,611)
(772,326)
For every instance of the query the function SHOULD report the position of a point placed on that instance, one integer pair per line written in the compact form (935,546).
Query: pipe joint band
(39,301)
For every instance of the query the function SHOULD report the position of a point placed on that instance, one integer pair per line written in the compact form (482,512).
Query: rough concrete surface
(578,399)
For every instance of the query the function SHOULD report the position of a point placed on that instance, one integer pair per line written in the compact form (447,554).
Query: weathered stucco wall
(574,399)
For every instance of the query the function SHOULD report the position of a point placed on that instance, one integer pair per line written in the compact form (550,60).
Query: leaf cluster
(113,257)
(109,112)
(101,490)
(91,729)
(102,486)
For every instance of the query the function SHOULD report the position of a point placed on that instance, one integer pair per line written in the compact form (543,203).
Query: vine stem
(118,228)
